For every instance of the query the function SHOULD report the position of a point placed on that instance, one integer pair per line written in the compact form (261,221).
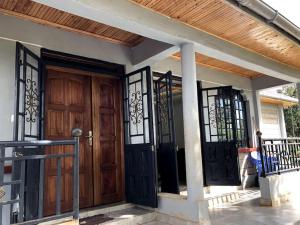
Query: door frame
(83,66)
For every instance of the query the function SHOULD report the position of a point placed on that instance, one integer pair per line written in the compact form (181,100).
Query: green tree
(292,113)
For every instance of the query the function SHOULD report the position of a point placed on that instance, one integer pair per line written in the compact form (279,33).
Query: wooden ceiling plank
(43,22)
(11,4)
(221,65)
(58,14)
(20,5)
(231,24)
(63,18)
(34,10)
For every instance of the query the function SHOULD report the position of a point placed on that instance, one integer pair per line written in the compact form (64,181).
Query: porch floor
(249,212)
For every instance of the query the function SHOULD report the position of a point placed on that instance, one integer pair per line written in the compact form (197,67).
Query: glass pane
(137,140)
(134,77)
(212,92)
(147,129)
(144,82)
(207,133)
(204,97)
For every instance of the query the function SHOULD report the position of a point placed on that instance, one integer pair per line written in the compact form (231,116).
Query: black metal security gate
(223,126)
(140,156)
(28,124)
(166,151)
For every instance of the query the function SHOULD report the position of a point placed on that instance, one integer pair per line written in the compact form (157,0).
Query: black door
(140,156)
(219,136)
(166,151)
(27,125)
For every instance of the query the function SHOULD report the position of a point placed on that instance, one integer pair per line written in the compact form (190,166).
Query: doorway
(92,102)
(223,123)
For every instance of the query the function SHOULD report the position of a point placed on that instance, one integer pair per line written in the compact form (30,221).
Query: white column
(257,112)
(282,122)
(298,92)
(191,124)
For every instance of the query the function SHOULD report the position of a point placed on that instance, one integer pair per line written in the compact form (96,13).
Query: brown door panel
(92,104)
(107,145)
(68,105)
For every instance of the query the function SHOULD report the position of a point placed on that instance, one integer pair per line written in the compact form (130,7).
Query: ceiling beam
(265,82)
(131,17)
(151,51)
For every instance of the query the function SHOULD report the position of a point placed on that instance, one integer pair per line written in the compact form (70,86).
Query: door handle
(90,137)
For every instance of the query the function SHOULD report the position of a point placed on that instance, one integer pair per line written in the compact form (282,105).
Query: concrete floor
(249,212)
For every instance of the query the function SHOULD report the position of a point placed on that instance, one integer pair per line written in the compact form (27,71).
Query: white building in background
(273,101)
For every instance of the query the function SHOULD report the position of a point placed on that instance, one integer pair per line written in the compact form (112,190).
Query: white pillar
(282,122)
(257,112)
(298,92)
(192,142)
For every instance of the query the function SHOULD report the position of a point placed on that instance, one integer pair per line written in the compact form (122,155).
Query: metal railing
(279,155)
(21,158)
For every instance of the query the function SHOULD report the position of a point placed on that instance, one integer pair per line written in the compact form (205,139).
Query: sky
(288,8)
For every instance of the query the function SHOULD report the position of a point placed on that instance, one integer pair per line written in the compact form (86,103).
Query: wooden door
(68,105)
(107,140)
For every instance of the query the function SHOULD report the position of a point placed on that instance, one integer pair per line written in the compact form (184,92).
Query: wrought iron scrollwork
(164,111)
(212,115)
(136,107)
(31,101)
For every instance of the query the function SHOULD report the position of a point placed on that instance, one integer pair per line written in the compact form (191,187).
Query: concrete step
(232,198)
(104,209)
(114,214)
(129,216)
(223,199)
(156,223)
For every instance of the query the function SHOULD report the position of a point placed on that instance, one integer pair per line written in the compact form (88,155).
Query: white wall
(271,121)
(63,41)
(7,87)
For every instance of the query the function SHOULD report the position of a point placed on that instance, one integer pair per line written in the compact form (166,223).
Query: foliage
(290,90)
(292,114)
(292,121)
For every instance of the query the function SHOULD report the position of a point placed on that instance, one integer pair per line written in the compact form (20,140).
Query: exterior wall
(7,86)
(63,41)
(272,121)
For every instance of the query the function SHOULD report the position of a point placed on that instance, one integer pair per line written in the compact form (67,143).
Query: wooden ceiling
(224,20)
(223,66)
(46,15)
(217,17)
(273,101)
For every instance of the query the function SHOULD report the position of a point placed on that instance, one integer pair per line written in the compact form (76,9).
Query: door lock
(90,137)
